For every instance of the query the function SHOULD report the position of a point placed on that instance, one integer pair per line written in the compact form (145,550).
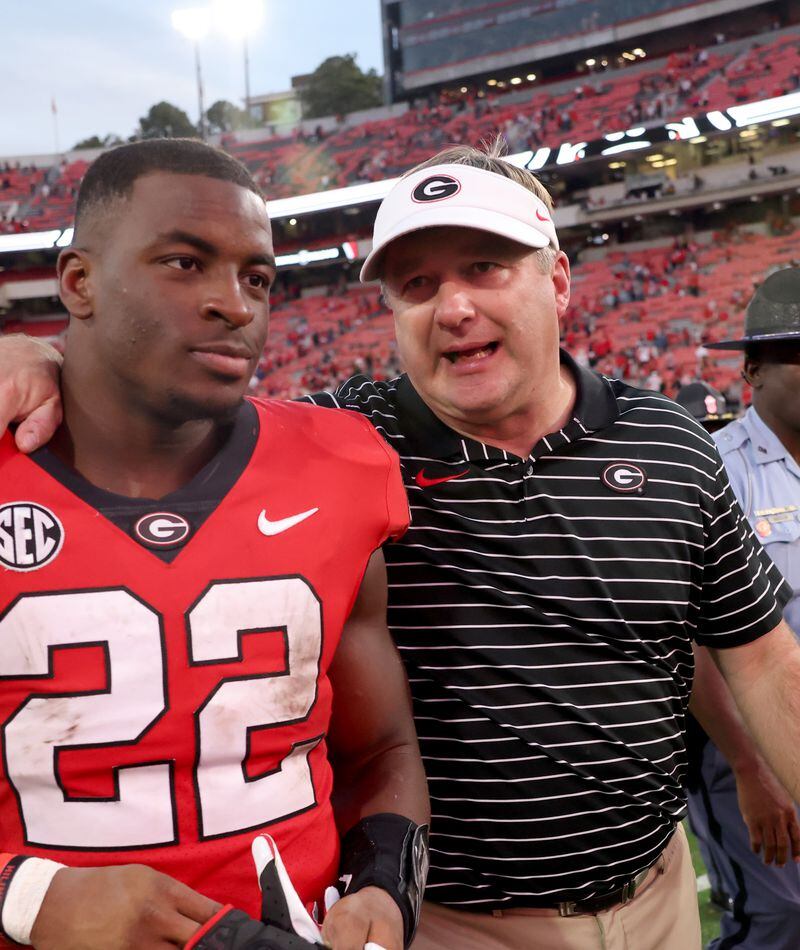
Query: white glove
(276,884)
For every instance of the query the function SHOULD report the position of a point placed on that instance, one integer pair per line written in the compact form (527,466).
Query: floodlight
(192,22)
(237,19)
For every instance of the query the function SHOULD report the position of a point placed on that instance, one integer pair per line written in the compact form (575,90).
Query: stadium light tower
(239,19)
(194,23)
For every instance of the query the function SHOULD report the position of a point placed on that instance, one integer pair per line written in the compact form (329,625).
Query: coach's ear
(73,282)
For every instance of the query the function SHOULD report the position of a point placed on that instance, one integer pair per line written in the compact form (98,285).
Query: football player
(192,602)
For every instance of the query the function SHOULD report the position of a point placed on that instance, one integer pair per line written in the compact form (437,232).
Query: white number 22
(141,812)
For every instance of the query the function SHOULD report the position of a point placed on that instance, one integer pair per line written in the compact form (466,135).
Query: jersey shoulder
(339,432)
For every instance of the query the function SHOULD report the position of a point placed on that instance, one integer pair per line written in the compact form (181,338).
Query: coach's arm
(764,678)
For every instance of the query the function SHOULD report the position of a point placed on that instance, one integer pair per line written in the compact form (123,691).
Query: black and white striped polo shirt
(545,608)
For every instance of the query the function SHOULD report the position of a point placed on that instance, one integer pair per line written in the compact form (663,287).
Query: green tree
(165,120)
(224,116)
(339,85)
(94,141)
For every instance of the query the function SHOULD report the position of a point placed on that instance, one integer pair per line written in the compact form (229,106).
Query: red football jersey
(165,713)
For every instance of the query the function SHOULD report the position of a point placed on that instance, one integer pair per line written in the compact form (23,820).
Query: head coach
(571,537)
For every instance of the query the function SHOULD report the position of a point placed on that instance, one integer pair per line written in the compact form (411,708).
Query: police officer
(761,452)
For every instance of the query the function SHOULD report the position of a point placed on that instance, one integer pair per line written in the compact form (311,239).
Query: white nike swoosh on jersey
(270,528)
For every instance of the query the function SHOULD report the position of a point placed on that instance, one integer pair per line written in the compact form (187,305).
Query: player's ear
(73,270)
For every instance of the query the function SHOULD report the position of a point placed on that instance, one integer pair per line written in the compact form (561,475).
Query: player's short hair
(489,158)
(114,173)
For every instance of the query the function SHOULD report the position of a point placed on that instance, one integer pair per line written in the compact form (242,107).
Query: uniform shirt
(545,609)
(165,711)
(766,480)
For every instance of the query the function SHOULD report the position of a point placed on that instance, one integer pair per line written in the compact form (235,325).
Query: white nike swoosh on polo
(270,528)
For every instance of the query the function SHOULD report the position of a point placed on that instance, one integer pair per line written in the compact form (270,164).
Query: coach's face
(175,291)
(477,321)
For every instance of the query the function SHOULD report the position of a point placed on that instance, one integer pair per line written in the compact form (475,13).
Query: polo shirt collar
(595,407)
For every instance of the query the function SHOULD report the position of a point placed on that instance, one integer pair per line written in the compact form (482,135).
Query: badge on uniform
(763,528)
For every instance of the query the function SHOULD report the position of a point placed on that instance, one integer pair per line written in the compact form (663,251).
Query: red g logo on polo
(624,477)
(435,188)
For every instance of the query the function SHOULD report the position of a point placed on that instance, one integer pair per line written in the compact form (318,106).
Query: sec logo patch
(624,477)
(30,536)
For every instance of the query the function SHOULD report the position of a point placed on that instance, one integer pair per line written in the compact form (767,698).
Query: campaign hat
(773,314)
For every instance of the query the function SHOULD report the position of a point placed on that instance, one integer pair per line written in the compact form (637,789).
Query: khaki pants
(662,916)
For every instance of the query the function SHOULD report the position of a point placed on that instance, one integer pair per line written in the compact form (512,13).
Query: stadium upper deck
(541,116)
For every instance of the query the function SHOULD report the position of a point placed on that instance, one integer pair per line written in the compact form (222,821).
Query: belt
(596,905)
(591,905)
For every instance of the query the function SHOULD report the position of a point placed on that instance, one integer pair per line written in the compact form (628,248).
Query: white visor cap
(463,197)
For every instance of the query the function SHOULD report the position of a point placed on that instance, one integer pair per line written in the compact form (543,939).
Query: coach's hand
(369,915)
(768,812)
(29,393)
(118,908)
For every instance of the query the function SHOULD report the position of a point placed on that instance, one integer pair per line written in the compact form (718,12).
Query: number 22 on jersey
(141,813)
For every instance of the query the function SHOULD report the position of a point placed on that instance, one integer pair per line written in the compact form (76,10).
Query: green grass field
(709,915)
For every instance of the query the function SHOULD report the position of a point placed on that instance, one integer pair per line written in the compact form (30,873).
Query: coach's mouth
(471,355)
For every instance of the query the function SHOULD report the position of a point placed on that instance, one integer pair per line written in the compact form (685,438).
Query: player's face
(180,294)
(476,321)
(779,376)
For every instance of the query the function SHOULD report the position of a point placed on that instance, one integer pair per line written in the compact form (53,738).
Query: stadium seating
(571,110)
(659,306)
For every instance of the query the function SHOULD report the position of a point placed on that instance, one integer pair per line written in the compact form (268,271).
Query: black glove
(232,929)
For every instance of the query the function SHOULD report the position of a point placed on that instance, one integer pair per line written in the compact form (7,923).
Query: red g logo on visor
(436,188)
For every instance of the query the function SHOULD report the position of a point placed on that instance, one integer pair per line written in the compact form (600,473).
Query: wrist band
(23,884)
(390,852)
